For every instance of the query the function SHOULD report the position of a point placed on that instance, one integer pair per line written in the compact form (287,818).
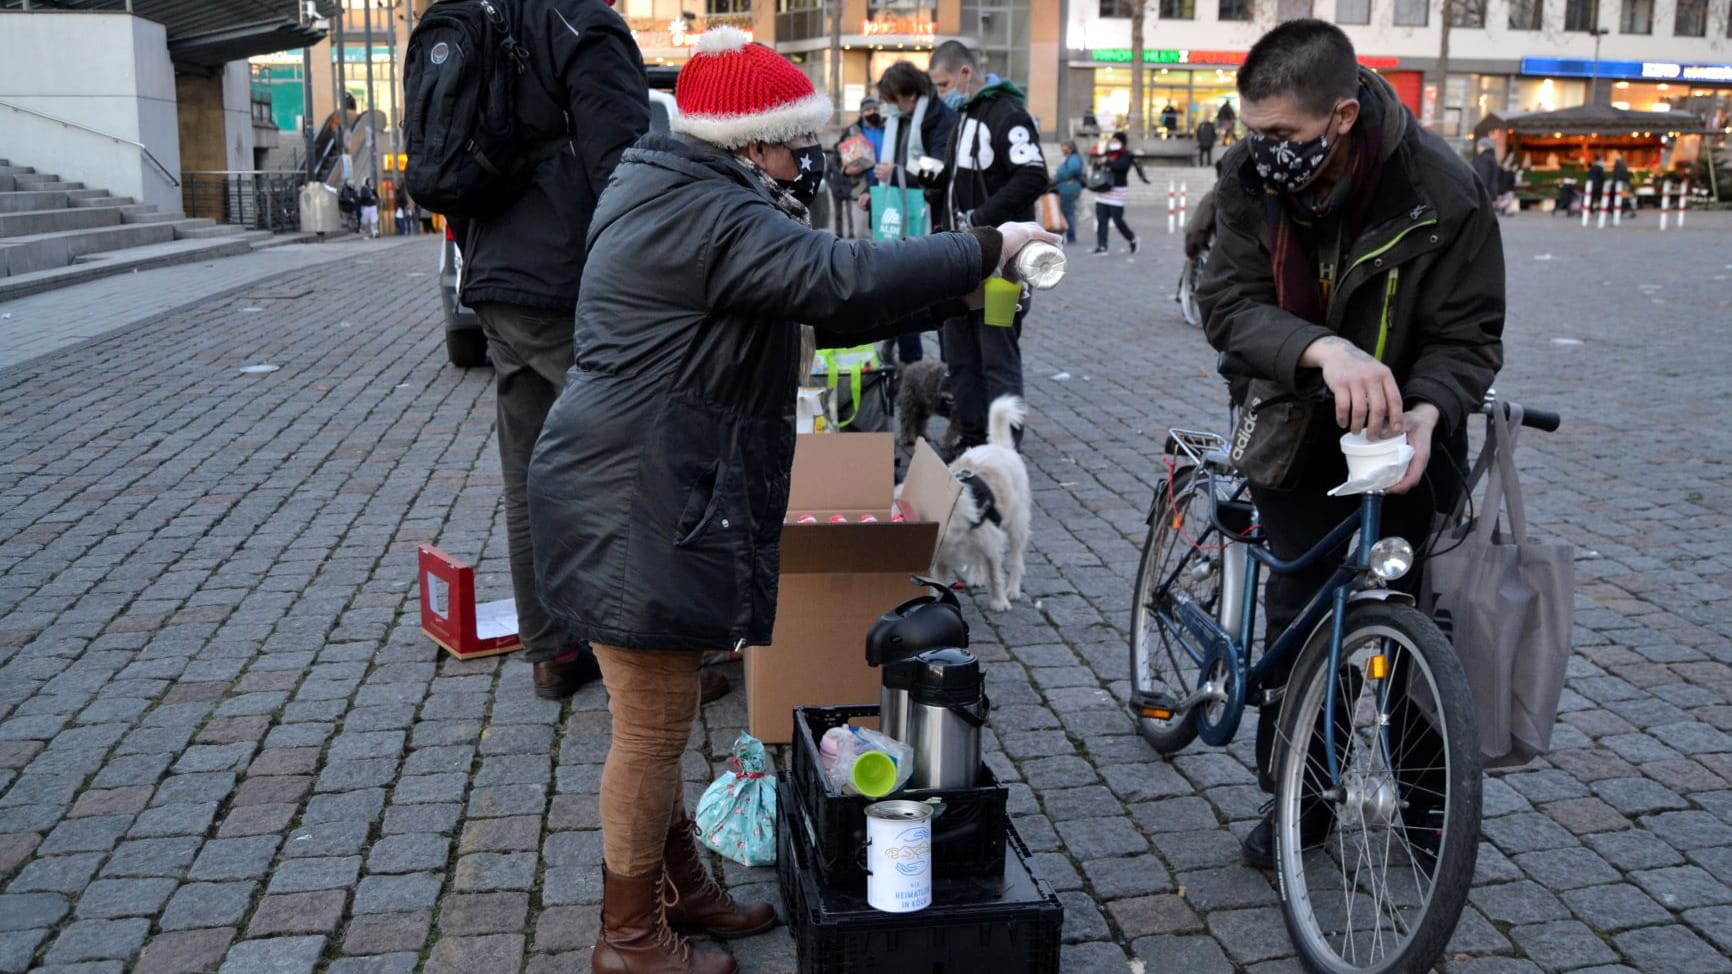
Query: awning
(206,34)
(1591,120)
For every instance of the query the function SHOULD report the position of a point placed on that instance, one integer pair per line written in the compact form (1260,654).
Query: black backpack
(468,154)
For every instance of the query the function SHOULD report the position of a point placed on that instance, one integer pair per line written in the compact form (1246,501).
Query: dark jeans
(1296,519)
(842,215)
(531,350)
(1206,155)
(985,363)
(1067,206)
(1105,217)
(908,350)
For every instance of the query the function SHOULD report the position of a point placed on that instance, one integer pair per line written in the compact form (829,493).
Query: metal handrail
(140,146)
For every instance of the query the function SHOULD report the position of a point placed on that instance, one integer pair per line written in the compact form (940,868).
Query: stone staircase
(54,233)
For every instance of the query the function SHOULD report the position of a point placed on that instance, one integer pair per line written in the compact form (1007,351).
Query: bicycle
(1375,743)
(1186,293)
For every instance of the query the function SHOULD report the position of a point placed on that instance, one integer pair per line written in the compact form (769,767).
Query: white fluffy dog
(990,525)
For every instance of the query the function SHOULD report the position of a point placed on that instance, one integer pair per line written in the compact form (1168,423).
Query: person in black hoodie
(994,173)
(585,87)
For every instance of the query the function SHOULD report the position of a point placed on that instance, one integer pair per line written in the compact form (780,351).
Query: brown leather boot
(635,938)
(701,904)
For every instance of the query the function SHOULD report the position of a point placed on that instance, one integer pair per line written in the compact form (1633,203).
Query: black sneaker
(1258,848)
(1136,246)
(1098,251)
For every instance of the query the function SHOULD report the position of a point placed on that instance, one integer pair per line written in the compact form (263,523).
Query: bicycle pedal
(1153,706)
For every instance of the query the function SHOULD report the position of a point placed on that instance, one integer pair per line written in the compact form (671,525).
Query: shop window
(1466,13)
(1581,15)
(713,8)
(1116,8)
(1637,18)
(1412,13)
(1178,9)
(1526,14)
(1286,10)
(1353,11)
(1235,10)
(1691,19)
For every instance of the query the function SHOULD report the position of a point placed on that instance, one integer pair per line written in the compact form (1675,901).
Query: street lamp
(1594,85)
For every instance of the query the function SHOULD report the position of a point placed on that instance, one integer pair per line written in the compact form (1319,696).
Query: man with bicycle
(1354,252)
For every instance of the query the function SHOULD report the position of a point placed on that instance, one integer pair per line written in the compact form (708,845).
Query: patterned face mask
(1286,165)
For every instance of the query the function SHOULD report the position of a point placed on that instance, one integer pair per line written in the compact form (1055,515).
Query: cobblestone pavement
(225,745)
(43,323)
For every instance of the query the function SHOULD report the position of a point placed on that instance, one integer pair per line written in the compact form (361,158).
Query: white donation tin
(899,856)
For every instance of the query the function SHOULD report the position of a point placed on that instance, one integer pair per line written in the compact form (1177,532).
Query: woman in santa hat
(659,485)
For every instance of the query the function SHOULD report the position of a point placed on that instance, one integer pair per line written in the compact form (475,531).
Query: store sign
(1122,55)
(1634,70)
(899,26)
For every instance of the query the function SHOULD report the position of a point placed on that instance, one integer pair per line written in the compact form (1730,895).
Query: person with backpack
(369,201)
(579,101)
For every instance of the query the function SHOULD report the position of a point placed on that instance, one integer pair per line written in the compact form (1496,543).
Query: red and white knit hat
(733,92)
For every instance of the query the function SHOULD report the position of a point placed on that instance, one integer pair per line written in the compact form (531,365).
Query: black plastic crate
(1008,925)
(967,836)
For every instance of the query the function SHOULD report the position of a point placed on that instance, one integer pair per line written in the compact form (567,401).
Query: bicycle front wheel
(1374,872)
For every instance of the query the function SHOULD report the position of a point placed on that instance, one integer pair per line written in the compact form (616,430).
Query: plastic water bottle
(1040,265)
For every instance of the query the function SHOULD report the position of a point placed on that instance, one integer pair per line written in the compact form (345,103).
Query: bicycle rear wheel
(1162,661)
(1392,850)
(1188,293)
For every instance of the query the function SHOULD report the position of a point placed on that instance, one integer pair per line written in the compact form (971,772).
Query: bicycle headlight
(1391,558)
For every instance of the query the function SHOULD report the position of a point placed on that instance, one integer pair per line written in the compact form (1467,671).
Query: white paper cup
(1366,457)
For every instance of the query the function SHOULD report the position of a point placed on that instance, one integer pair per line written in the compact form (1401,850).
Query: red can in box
(868,519)
(808,519)
(838,519)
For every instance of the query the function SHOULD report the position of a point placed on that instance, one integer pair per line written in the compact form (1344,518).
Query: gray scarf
(796,211)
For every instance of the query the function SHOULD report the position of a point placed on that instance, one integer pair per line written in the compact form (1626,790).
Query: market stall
(1549,148)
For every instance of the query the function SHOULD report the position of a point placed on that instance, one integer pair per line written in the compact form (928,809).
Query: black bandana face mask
(810,162)
(1286,165)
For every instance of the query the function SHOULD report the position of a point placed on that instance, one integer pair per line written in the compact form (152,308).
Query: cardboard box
(838,579)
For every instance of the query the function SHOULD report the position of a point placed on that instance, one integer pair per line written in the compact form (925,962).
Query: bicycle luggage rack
(1197,446)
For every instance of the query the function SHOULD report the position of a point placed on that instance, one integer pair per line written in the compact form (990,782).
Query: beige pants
(653,696)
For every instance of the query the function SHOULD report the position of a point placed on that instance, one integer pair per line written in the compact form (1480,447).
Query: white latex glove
(1019,235)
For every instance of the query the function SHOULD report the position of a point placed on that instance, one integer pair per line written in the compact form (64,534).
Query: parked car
(465,345)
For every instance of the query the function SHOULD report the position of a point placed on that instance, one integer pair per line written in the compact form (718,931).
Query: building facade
(1507,56)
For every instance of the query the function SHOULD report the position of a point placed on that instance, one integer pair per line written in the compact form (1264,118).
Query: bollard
(1184,201)
(1665,198)
(1587,204)
(1170,212)
(1605,203)
(1618,206)
(1683,202)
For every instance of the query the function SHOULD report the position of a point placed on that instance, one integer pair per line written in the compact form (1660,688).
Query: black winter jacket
(994,170)
(586,83)
(1422,285)
(659,485)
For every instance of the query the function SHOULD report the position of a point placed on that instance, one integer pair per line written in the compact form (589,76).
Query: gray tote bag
(1507,603)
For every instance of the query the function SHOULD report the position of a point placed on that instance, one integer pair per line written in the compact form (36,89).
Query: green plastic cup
(1001,298)
(874,774)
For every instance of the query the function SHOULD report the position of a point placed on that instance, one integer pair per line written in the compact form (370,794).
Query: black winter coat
(659,485)
(586,80)
(1422,284)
